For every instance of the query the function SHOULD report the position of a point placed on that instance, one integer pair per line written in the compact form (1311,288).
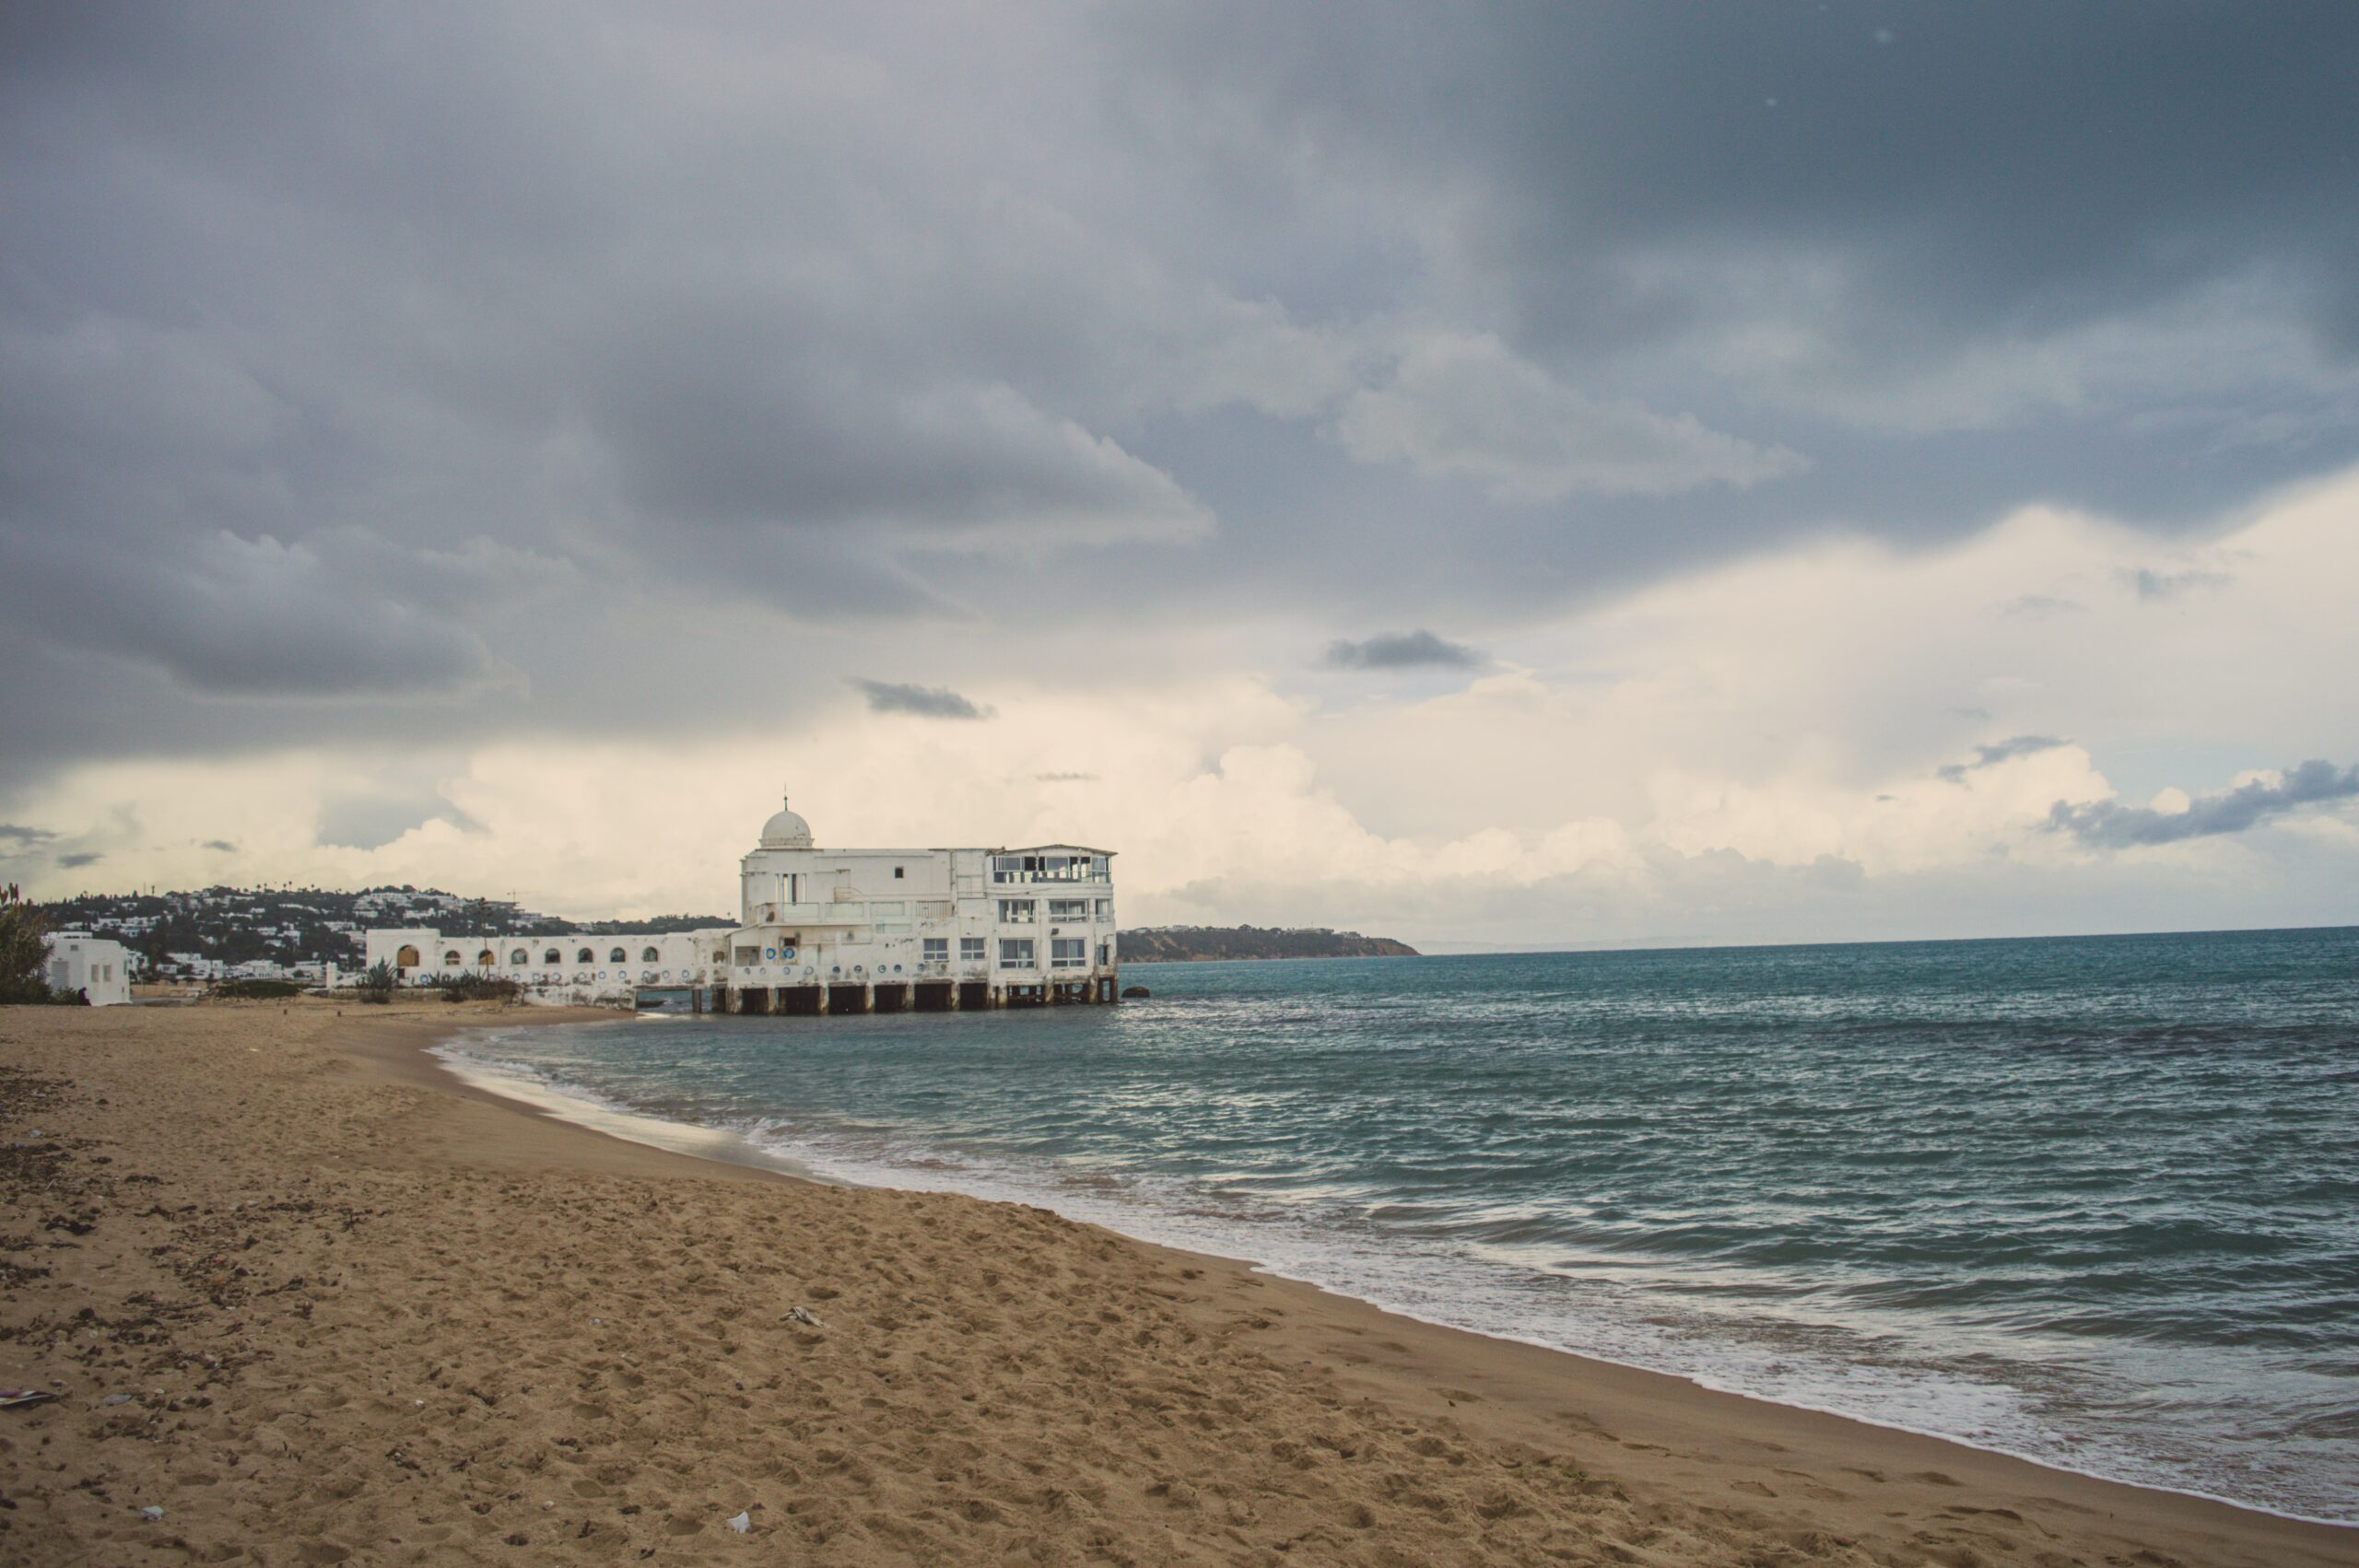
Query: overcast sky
(1493,475)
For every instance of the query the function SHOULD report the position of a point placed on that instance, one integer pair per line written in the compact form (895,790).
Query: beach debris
(804,1316)
(151,1513)
(9,1397)
(741,1523)
(1130,992)
(116,1399)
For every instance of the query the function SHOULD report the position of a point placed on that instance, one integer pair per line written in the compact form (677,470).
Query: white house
(831,930)
(100,968)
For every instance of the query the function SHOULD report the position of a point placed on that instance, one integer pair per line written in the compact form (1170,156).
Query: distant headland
(1174,945)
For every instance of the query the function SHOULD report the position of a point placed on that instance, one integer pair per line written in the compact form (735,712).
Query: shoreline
(589,1115)
(353,1306)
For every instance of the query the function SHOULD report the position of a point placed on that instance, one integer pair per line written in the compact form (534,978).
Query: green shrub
(377,985)
(480,988)
(257,990)
(24,949)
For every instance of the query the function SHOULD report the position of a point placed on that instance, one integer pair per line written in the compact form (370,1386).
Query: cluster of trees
(1155,944)
(24,952)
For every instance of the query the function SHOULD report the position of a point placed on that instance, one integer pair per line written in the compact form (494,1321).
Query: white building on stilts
(831,931)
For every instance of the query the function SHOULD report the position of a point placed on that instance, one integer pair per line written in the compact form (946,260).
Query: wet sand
(319,1301)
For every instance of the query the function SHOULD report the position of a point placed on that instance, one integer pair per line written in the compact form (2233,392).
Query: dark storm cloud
(75,862)
(1986,757)
(2113,827)
(419,373)
(924,702)
(1402,651)
(12,832)
(2016,165)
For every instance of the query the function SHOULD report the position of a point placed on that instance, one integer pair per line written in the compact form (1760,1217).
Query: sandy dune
(319,1305)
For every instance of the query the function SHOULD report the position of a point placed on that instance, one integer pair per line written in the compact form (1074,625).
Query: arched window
(486,959)
(618,956)
(648,957)
(520,956)
(552,956)
(451,959)
(406,959)
(585,956)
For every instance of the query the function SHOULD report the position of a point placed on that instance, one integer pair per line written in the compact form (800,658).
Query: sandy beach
(317,1301)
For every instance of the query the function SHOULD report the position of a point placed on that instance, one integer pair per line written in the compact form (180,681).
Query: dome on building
(786,830)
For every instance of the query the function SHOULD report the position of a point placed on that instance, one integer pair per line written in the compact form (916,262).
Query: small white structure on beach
(100,968)
(831,930)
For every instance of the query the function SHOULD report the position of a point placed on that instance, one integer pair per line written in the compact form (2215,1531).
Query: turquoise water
(2095,1201)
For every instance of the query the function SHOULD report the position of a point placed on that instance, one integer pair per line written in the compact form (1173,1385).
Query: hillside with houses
(294,933)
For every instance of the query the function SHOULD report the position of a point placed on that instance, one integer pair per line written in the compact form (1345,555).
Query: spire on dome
(785,830)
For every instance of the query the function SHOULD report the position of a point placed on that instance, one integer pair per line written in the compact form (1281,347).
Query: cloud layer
(1795,421)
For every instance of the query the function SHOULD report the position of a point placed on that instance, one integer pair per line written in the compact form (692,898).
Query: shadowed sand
(365,1313)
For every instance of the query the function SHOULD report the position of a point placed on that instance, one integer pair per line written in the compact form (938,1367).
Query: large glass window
(1016,953)
(1015,911)
(1104,909)
(1068,908)
(1048,868)
(937,950)
(973,949)
(1069,952)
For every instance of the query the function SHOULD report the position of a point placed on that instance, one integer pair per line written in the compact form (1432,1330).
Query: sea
(2091,1201)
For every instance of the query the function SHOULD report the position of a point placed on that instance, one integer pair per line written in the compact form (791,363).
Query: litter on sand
(10,1396)
(741,1523)
(151,1513)
(804,1316)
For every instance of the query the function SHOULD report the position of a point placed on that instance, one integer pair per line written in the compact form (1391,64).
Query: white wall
(98,966)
